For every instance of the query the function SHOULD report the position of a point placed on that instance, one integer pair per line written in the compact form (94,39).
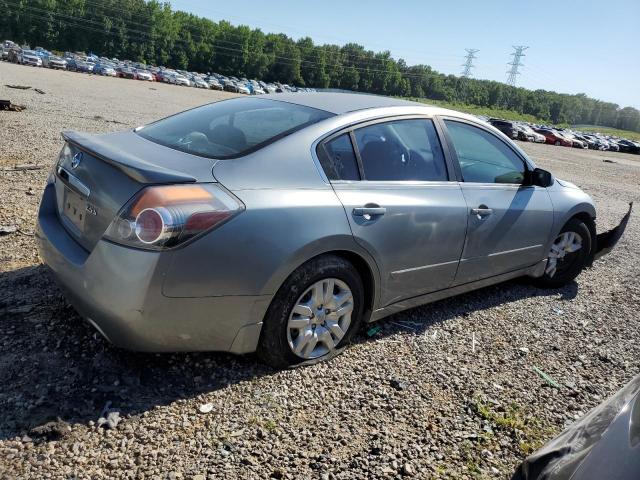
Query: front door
(401,206)
(508,223)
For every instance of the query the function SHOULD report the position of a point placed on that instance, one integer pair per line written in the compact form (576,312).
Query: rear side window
(231,128)
(338,159)
(401,150)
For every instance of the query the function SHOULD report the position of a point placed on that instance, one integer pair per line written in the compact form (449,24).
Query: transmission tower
(468,64)
(513,72)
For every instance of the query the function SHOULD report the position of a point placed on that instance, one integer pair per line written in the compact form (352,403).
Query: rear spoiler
(131,165)
(605,241)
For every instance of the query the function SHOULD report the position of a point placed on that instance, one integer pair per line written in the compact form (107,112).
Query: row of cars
(93,64)
(563,136)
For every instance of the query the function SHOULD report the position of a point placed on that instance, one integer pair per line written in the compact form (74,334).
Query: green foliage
(531,432)
(486,111)
(151,32)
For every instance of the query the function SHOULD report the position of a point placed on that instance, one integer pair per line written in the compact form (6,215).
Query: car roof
(339,103)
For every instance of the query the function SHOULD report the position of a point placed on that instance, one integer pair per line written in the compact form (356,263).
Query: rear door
(509,222)
(392,178)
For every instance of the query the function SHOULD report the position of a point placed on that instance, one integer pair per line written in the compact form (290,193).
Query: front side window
(401,150)
(483,157)
(231,128)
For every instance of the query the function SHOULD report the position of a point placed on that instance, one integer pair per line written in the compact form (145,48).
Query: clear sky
(586,46)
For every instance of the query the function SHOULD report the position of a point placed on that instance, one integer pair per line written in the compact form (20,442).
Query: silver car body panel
(514,235)
(213,293)
(418,216)
(276,244)
(118,289)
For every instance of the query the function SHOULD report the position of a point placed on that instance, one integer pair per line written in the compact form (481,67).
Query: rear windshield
(231,128)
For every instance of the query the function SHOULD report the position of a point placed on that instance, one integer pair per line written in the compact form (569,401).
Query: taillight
(162,217)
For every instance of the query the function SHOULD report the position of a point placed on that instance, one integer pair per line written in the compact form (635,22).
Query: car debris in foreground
(281,223)
(603,444)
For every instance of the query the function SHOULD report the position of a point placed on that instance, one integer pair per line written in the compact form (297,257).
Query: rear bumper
(119,291)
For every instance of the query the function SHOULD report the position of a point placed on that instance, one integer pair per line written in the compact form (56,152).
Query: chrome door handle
(369,211)
(481,211)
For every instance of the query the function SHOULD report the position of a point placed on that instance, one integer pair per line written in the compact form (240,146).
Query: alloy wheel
(562,253)
(320,318)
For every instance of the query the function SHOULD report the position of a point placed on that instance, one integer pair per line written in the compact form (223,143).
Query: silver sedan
(281,224)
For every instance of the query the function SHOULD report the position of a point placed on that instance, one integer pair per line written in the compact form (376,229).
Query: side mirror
(540,178)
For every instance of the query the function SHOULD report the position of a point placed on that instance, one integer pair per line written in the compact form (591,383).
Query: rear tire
(279,337)
(558,143)
(565,262)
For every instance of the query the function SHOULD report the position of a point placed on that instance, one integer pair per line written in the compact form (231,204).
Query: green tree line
(151,32)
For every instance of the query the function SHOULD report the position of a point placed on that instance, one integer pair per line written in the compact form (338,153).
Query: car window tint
(338,159)
(483,157)
(401,150)
(231,128)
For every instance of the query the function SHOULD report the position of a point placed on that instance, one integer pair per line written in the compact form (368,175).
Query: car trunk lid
(100,173)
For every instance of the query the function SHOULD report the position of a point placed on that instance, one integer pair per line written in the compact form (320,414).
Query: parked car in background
(553,137)
(231,86)
(532,135)
(627,146)
(105,69)
(126,72)
(163,75)
(523,135)
(83,66)
(506,127)
(179,79)
(198,188)
(53,61)
(256,89)
(14,54)
(592,143)
(142,74)
(575,141)
(198,82)
(611,145)
(601,144)
(154,73)
(214,83)
(31,58)
(6,46)
(72,63)
(242,88)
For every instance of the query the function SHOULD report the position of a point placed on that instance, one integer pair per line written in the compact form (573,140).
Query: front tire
(314,314)
(568,255)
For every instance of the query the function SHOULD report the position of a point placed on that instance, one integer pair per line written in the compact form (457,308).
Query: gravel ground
(446,390)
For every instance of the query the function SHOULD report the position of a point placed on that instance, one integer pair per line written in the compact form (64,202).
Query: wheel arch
(366,275)
(359,258)
(586,218)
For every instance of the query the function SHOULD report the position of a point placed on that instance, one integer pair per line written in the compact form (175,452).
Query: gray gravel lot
(442,391)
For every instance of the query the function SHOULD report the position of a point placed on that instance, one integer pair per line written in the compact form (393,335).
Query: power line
(468,64)
(515,63)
